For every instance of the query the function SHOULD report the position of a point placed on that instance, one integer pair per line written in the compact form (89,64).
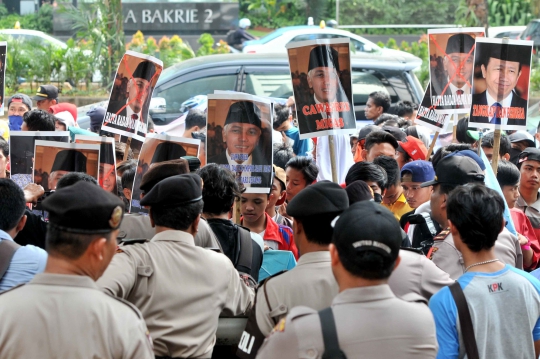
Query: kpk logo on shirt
(495,288)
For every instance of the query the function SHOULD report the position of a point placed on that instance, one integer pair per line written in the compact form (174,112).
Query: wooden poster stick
(126,152)
(454,130)
(496,147)
(432,145)
(333,158)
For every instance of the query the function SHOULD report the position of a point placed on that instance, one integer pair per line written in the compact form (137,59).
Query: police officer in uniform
(180,288)
(61,313)
(366,320)
(311,282)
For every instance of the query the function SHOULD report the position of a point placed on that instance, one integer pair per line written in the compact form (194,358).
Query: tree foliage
(500,12)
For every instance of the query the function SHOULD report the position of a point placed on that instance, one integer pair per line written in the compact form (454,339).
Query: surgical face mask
(15,123)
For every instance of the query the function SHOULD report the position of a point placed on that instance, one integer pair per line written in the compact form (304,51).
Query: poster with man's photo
(451,65)
(21,155)
(156,149)
(107,160)
(127,111)
(502,70)
(239,137)
(3,55)
(431,116)
(321,78)
(59,158)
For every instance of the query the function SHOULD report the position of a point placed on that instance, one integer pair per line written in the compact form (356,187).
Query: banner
(321,79)
(239,137)
(431,116)
(501,84)
(59,158)
(127,111)
(451,55)
(107,160)
(21,154)
(159,148)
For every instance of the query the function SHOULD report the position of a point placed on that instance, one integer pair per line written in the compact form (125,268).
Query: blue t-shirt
(300,147)
(505,312)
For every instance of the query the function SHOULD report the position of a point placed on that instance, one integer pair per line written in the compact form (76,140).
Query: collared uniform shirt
(180,288)
(67,316)
(399,207)
(25,264)
(371,322)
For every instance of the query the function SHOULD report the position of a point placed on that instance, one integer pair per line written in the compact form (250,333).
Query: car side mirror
(157,105)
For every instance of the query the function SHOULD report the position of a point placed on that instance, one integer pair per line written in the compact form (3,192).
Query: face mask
(15,123)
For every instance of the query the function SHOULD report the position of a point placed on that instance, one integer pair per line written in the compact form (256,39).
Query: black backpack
(424,232)
(231,39)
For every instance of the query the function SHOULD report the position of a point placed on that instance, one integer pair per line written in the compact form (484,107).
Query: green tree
(497,12)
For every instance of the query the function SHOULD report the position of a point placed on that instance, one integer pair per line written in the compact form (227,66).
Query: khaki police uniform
(417,274)
(446,256)
(67,316)
(138,226)
(180,288)
(371,322)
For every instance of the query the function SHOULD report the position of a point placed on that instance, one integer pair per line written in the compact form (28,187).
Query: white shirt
(465,98)
(505,103)
(139,123)
(233,164)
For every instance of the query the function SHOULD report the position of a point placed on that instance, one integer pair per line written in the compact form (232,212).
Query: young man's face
(489,153)
(45,104)
(295,182)
(276,193)
(241,138)
(438,206)
(253,206)
(511,195)
(372,111)
(501,77)
(17,109)
(530,175)
(107,177)
(325,82)
(458,75)
(392,194)
(380,149)
(416,195)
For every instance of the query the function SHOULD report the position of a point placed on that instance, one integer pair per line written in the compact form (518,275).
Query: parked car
(532,32)
(34,36)
(512,32)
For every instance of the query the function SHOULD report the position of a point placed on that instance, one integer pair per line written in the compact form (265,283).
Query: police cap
(175,191)
(162,170)
(320,198)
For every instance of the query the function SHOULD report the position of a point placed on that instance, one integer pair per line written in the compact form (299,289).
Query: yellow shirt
(399,207)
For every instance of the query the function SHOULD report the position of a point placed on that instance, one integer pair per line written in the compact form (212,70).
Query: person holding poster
(501,103)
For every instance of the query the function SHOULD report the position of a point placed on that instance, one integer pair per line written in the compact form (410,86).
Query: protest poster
(321,79)
(3,54)
(60,158)
(431,116)
(127,110)
(21,154)
(239,137)
(501,84)
(159,148)
(107,160)
(451,54)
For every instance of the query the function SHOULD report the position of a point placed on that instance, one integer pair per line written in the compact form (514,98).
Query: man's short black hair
(367,172)
(220,189)
(282,154)
(125,165)
(12,204)
(281,115)
(195,117)
(381,99)
(402,109)
(369,265)
(179,218)
(70,245)
(391,167)
(386,119)
(128,177)
(377,137)
(507,173)
(4,147)
(461,131)
(318,227)
(477,213)
(306,165)
(71,178)
(39,120)
(446,150)
(505,144)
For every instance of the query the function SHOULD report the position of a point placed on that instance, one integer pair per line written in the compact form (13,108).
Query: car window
(531,29)
(306,37)
(272,84)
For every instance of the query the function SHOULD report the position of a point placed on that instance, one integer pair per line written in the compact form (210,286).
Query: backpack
(424,232)
(231,39)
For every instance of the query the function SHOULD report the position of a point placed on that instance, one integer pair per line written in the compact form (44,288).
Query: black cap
(519,136)
(160,171)
(244,112)
(456,170)
(175,191)
(69,160)
(106,153)
(323,56)
(167,151)
(320,198)
(145,70)
(529,154)
(396,132)
(359,191)
(193,162)
(505,52)
(367,226)
(366,130)
(84,208)
(46,92)
(459,43)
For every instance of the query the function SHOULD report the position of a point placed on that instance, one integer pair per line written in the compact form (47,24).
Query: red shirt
(524,227)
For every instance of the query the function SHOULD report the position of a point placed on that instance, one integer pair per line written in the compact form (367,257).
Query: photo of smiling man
(501,93)
(246,147)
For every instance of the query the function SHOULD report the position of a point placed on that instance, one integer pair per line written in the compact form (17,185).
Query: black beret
(162,170)
(145,70)
(69,160)
(323,56)
(367,226)
(244,112)
(106,154)
(505,52)
(167,151)
(459,43)
(84,208)
(529,154)
(174,191)
(193,162)
(319,198)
